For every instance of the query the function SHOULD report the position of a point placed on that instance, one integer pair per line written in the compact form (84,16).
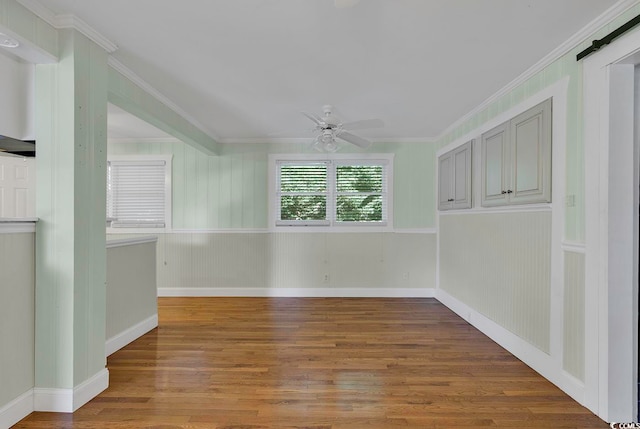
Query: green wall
(230,190)
(566,66)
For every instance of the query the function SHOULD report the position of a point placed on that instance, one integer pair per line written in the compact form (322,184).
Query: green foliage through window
(355,193)
(359,193)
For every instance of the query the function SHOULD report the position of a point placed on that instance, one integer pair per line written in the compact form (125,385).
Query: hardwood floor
(253,363)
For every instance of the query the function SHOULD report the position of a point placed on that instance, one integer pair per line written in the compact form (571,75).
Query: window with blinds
(332,192)
(137,193)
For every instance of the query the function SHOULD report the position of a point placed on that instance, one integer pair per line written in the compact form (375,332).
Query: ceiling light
(8,42)
(325,142)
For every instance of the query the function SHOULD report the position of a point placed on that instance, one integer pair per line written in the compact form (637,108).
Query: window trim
(332,225)
(168,206)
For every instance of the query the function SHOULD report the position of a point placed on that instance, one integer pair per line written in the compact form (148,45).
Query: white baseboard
(333,292)
(539,361)
(69,400)
(16,410)
(53,400)
(120,340)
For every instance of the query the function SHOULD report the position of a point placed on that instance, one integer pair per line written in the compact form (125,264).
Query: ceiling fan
(330,128)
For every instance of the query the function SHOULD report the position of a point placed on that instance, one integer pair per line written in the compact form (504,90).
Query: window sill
(335,228)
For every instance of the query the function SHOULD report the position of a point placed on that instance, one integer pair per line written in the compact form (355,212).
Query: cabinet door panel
(462,177)
(494,157)
(17,183)
(444,182)
(531,155)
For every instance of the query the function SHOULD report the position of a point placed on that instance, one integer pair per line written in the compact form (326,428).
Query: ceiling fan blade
(354,139)
(319,122)
(361,125)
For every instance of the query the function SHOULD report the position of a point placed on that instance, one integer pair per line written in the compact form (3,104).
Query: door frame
(611,229)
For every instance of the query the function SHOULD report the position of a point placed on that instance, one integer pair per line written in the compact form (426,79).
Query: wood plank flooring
(318,363)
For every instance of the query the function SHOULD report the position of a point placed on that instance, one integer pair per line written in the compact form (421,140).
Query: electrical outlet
(405,275)
(570,200)
(326,278)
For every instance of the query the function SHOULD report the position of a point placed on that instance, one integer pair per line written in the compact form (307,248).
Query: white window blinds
(332,192)
(136,193)
(361,192)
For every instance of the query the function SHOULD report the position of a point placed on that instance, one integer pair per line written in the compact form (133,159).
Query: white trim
(342,229)
(72,21)
(17,227)
(16,410)
(309,140)
(69,400)
(336,228)
(152,140)
(523,208)
(606,354)
(573,247)
(538,360)
(143,84)
(333,292)
(18,219)
(131,241)
(129,335)
(575,40)
(222,231)
(559,95)
(272,172)
(53,400)
(89,389)
(415,231)
(68,21)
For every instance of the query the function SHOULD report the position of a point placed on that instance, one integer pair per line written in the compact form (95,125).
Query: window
(335,192)
(139,192)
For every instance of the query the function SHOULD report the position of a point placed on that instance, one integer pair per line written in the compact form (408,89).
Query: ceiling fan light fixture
(331,146)
(325,143)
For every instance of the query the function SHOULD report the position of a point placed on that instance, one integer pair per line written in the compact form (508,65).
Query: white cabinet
(17,187)
(516,159)
(454,178)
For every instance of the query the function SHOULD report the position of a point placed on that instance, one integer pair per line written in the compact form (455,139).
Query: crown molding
(133,77)
(266,140)
(310,140)
(571,43)
(68,21)
(152,140)
(72,21)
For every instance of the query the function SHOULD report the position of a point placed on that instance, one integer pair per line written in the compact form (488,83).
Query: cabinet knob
(450,199)
(503,192)
(509,191)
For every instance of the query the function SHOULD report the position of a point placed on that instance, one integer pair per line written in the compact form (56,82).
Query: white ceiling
(244,69)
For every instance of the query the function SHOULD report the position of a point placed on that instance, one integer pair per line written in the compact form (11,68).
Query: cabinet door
(530,134)
(17,187)
(462,176)
(445,171)
(495,156)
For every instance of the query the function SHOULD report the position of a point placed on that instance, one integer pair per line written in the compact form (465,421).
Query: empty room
(323,214)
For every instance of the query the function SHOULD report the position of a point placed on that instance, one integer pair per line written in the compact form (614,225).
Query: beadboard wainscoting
(574,314)
(499,265)
(17,315)
(295,264)
(132,304)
